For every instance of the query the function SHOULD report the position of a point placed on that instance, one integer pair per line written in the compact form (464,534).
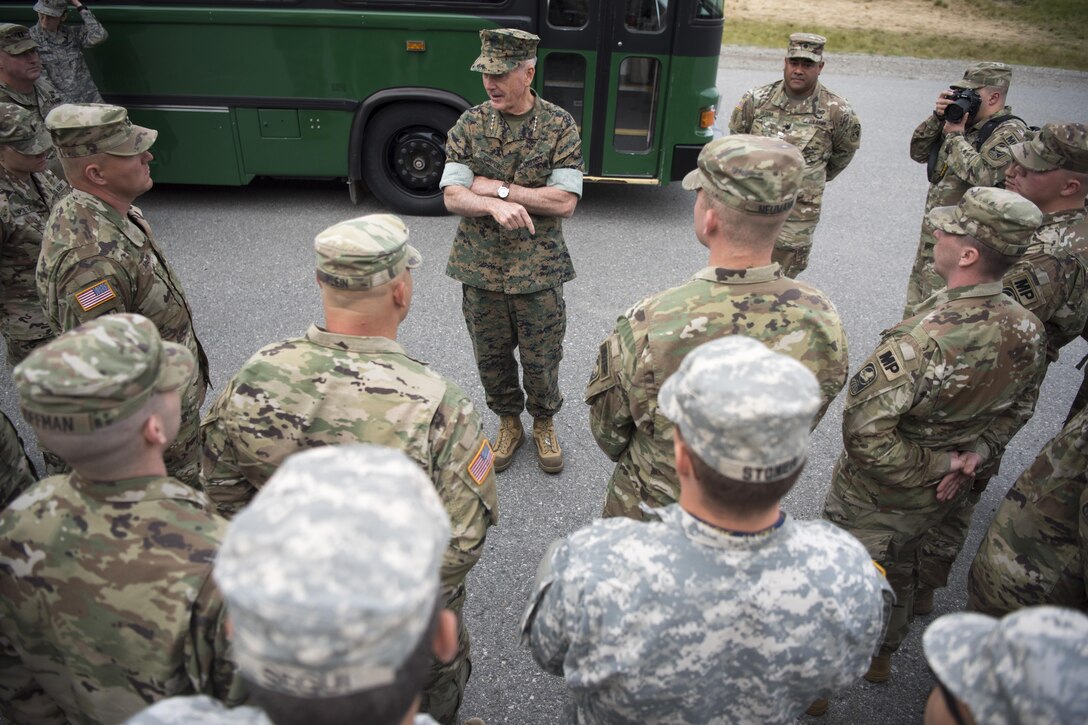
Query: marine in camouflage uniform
(948,386)
(681,620)
(819,123)
(340,386)
(1036,549)
(61,48)
(26,197)
(960,161)
(106,597)
(652,337)
(1028,667)
(96,260)
(315,543)
(512,173)
(16,471)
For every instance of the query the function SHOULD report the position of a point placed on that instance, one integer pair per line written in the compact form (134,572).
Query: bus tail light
(706,117)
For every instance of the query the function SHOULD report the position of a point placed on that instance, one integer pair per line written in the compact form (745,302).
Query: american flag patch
(95,295)
(481,464)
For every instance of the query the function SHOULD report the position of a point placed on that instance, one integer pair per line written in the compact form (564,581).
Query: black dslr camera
(965,102)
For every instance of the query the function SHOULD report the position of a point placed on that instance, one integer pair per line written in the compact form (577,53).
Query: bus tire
(403,155)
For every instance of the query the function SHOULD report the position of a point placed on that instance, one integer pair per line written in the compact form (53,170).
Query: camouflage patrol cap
(806,45)
(501,50)
(99,373)
(363,253)
(331,574)
(1056,146)
(1000,219)
(745,410)
(22,130)
(52,8)
(755,174)
(1030,666)
(15,39)
(986,73)
(84,129)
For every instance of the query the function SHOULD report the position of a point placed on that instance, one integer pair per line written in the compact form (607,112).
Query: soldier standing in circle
(941,397)
(973,151)
(745,187)
(106,598)
(799,109)
(361,626)
(21,80)
(513,173)
(352,382)
(726,605)
(98,255)
(17,473)
(61,48)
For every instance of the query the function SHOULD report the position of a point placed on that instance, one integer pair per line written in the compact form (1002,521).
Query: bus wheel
(403,155)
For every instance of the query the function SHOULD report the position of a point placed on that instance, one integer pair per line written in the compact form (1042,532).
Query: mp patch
(890,361)
(1022,288)
(862,378)
(97,294)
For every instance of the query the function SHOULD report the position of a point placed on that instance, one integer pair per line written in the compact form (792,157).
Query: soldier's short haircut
(992,263)
(530,63)
(743,498)
(987,90)
(380,705)
(747,230)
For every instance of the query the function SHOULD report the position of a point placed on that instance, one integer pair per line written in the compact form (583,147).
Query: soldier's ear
(154,430)
(93,174)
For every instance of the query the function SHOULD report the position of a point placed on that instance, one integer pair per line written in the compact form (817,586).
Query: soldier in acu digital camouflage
(745,187)
(61,48)
(332,581)
(352,382)
(1028,668)
(99,257)
(965,142)
(107,603)
(513,173)
(799,109)
(724,608)
(931,411)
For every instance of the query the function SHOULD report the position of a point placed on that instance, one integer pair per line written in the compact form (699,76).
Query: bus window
(636,106)
(646,16)
(565,83)
(708,9)
(568,13)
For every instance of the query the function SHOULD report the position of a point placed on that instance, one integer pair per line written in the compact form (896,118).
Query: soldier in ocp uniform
(328,626)
(351,382)
(513,173)
(98,255)
(21,73)
(726,608)
(937,402)
(959,155)
(799,109)
(106,597)
(61,48)
(745,187)
(17,473)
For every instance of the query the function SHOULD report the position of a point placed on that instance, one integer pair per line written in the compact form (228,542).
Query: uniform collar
(136,490)
(751,275)
(781,99)
(705,534)
(354,343)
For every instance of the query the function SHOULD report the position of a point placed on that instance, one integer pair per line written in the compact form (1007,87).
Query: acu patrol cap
(1000,219)
(755,174)
(85,129)
(331,575)
(1030,666)
(52,8)
(986,73)
(364,253)
(98,374)
(15,39)
(1056,146)
(22,130)
(746,411)
(501,50)
(807,45)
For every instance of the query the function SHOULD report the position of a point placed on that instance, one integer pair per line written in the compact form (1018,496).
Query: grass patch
(1060,53)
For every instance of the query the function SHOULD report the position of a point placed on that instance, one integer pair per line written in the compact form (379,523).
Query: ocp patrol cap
(501,50)
(1000,219)
(85,129)
(15,39)
(985,73)
(744,410)
(98,374)
(363,253)
(755,174)
(22,130)
(1055,146)
(806,45)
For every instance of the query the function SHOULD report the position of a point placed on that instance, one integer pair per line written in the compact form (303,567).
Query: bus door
(569,33)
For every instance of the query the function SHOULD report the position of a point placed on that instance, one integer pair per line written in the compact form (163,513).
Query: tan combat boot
(548,453)
(818,708)
(880,669)
(510,437)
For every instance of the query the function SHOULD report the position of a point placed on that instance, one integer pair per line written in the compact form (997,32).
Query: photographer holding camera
(965,142)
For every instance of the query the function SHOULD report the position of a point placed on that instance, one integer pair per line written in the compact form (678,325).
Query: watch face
(504,191)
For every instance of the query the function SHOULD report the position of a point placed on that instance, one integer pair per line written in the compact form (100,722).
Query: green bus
(365,90)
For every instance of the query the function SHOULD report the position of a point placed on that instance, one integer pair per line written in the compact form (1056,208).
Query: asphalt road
(245,257)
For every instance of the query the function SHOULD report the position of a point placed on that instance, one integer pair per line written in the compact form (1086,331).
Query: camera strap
(987,129)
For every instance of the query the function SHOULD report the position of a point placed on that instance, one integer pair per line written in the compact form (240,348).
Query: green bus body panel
(319,149)
(692,86)
(193,146)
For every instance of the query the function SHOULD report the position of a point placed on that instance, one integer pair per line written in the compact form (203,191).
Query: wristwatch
(503,191)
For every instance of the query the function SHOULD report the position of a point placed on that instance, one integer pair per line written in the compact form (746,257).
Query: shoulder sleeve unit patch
(1022,288)
(890,358)
(97,294)
(482,463)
